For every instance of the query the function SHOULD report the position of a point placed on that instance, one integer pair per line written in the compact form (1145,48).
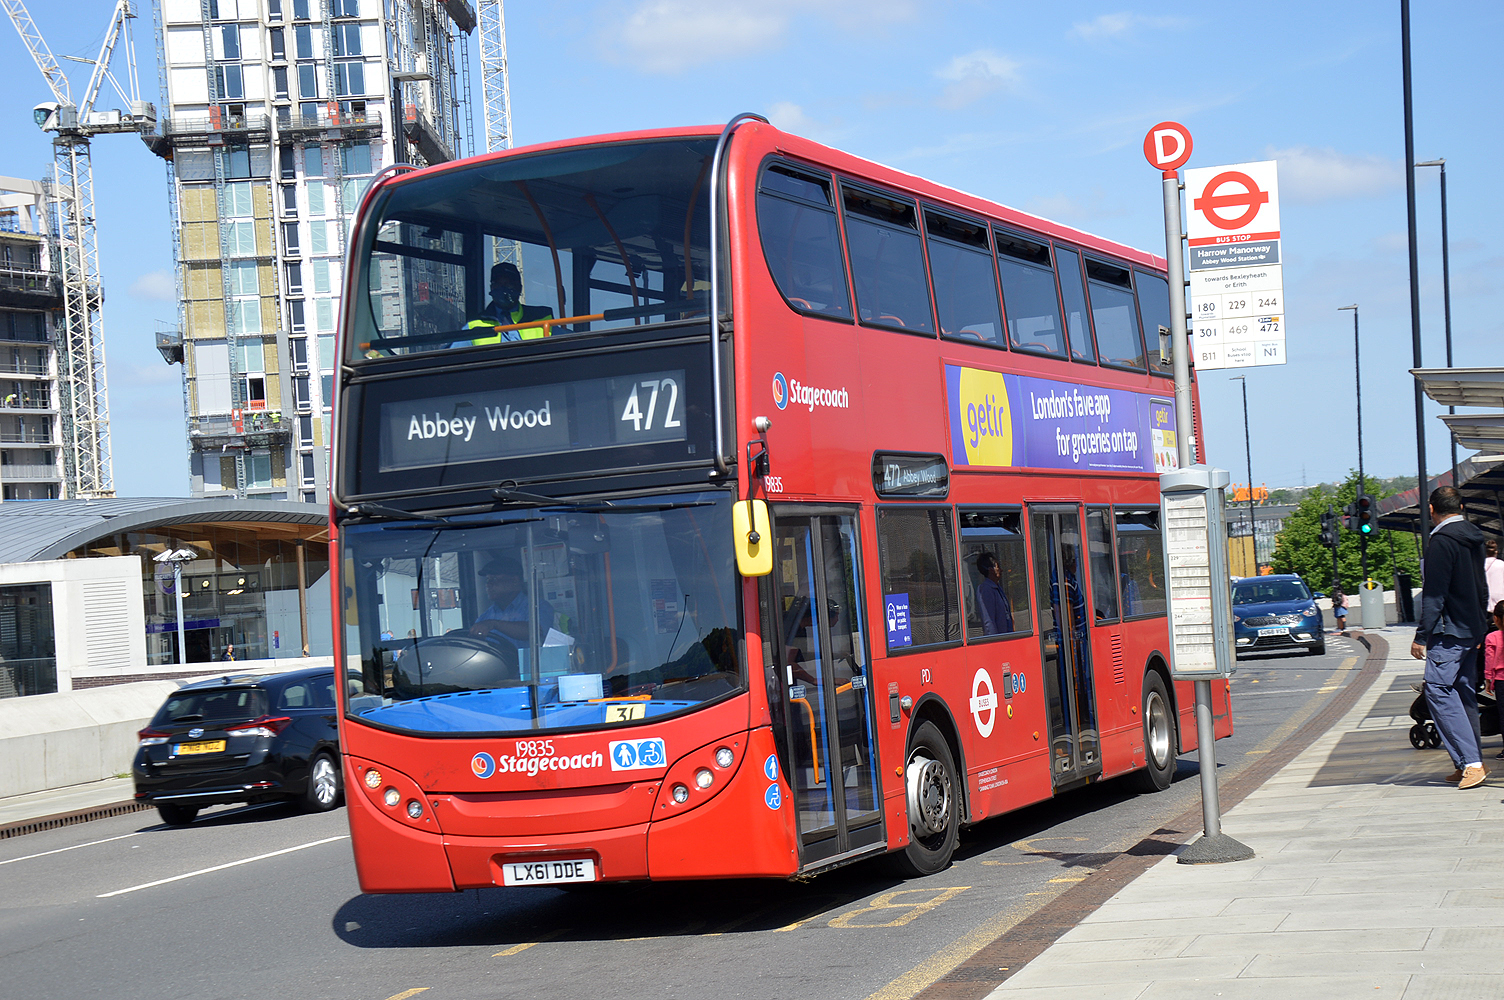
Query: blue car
(1276,612)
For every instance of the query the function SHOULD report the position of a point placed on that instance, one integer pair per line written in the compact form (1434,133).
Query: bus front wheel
(934,801)
(1159,737)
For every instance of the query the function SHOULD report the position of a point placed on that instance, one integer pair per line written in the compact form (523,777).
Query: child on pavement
(1493,666)
(1339,607)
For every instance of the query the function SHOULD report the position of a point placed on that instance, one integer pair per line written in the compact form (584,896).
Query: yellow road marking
(410,993)
(1072,878)
(911,911)
(519,948)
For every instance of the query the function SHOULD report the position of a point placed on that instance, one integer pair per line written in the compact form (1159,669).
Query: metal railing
(26,401)
(14,473)
(26,437)
(29,279)
(205,124)
(250,422)
(22,367)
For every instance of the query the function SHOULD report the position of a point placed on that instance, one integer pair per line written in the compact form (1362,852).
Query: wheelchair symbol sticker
(637,755)
(773,796)
(770,767)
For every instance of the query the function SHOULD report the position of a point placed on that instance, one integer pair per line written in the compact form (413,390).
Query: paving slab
(1372,878)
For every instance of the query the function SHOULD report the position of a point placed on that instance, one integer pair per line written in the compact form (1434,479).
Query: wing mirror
(753,539)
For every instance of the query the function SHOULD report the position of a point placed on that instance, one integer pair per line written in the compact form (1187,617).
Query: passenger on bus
(992,600)
(506,309)
(508,618)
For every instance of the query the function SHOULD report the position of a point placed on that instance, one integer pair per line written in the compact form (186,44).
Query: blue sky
(1042,107)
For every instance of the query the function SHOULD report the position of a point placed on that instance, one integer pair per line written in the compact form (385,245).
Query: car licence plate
(1274,631)
(208,746)
(548,872)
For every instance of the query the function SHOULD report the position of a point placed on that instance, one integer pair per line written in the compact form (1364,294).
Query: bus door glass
(1065,648)
(821,651)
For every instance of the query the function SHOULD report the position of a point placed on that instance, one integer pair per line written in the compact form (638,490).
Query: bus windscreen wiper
(634,508)
(460,525)
(381,512)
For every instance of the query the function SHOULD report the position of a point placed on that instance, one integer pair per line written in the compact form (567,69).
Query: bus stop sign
(1167,146)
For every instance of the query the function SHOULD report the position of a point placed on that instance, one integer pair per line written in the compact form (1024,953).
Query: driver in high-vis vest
(506,309)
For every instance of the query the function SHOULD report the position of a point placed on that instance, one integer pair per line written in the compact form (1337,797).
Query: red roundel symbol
(1167,146)
(1251,199)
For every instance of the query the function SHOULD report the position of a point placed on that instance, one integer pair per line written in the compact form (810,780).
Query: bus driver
(506,309)
(507,618)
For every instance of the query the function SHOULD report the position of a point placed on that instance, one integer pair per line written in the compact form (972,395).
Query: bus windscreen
(544,618)
(532,247)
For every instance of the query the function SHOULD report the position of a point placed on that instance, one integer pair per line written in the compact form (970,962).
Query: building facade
(276,115)
(31,302)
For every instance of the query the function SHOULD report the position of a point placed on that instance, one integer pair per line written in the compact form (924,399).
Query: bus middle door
(820,647)
(1070,690)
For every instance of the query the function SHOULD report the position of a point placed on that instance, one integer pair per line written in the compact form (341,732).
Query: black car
(242,738)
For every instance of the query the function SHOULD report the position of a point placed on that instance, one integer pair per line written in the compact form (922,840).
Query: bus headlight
(373,778)
(681,794)
(391,797)
(703,777)
(724,758)
(414,808)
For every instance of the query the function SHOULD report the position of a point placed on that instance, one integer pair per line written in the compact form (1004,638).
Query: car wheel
(323,784)
(1319,650)
(177,815)
(1159,737)
(934,804)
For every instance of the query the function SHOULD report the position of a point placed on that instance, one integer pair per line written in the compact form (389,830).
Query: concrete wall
(75,737)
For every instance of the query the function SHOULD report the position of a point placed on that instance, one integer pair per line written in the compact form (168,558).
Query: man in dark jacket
(1451,628)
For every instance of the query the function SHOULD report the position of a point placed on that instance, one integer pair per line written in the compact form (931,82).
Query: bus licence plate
(208,746)
(1274,631)
(548,872)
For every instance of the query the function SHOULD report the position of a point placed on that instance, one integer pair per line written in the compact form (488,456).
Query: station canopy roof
(1481,432)
(50,529)
(1463,386)
(1481,481)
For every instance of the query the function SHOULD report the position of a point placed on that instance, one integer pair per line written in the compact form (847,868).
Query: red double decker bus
(873,555)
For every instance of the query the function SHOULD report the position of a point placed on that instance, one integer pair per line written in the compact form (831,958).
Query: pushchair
(1423,734)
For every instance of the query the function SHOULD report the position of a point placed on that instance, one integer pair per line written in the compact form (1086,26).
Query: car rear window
(312,692)
(211,704)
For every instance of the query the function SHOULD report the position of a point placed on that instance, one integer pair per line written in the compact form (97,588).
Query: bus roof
(835,159)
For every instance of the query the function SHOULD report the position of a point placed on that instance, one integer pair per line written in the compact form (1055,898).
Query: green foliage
(1299,550)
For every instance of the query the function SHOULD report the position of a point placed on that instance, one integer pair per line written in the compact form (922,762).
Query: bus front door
(814,609)
(1070,691)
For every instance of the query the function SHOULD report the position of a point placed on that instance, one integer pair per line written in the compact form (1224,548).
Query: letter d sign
(1167,146)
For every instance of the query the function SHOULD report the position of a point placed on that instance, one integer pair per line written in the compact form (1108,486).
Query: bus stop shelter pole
(1214,847)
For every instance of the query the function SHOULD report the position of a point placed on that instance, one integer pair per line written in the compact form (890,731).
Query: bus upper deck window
(965,286)
(1029,300)
(1114,314)
(1073,295)
(802,242)
(887,265)
(1154,310)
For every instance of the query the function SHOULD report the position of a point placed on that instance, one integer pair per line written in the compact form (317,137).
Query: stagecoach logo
(483,764)
(780,390)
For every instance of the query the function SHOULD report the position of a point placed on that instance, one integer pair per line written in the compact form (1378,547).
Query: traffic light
(1329,528)
(1364,514)
(1350,517)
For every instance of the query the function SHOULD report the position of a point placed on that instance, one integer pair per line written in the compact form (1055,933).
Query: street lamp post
(1248,454)
(1446,293)
(176,558)
(1362,482)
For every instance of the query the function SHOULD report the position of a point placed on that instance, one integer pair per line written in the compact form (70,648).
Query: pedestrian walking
(1493,667)
(1493,572)
(1450,632)
(1339,608)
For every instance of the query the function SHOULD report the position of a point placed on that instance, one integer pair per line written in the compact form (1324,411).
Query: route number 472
(651,388)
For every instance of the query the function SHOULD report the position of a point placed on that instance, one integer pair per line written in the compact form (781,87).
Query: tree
(1298,548)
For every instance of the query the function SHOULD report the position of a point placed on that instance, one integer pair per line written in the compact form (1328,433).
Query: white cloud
(792,118)
(1308,175)
(668,36)
(154,286)
(1119,24)
(975,75)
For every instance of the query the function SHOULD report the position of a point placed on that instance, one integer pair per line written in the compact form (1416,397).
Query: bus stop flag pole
(1191,511)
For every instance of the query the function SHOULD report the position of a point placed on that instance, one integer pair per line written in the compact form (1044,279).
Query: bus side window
(965,284)
(1073,294)
(1154,310)
(1104,584)
(917,552)
(1141,564)
(1030,302)
(887,264)
(994,574)
(1114,314)
(802,242)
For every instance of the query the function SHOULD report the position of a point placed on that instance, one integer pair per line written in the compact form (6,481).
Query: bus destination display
(646,408)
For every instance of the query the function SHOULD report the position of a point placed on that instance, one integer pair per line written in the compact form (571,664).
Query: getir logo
(981,419)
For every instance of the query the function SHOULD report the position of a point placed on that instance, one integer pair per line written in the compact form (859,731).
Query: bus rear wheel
(934,801)
(1159,737)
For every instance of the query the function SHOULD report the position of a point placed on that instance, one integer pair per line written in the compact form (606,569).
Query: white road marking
(75,847)
(216,868)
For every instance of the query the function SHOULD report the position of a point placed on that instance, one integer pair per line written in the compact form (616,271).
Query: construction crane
(497,94)
(82,389)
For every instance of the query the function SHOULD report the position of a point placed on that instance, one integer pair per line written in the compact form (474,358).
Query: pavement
(1372,877)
